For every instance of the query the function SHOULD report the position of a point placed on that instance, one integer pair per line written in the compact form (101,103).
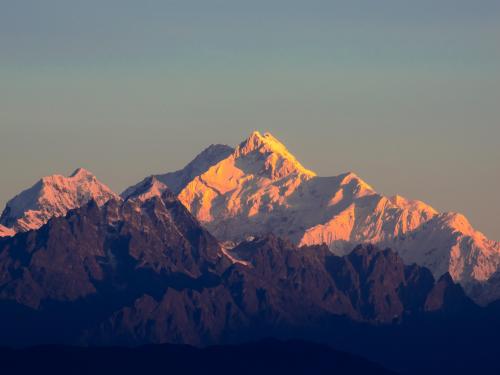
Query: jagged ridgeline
(245,243)
(260,187)
(145,271)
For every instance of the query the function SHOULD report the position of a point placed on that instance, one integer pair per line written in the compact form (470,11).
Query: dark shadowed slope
(77,270)
(144,271)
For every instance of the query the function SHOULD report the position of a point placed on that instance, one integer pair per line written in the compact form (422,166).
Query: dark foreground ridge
(263,357)
(140,272)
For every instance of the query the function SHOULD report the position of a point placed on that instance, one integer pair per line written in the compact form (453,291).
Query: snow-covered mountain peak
(257,141)
(459,223)
(176,181)
(260,187)
(412,204)
(146,189)
(250,180)
(358,186)
(79,176)
(212,154)
(265,154)
(82,173)
(53,196)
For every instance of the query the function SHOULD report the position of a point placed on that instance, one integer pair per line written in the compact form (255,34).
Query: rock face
(281,287)
(145,271)
(261,187)
(368,284)
(52,196)
(110,248)
(6,232)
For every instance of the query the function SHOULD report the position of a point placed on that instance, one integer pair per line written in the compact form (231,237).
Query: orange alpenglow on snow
(261,187)
(53,196)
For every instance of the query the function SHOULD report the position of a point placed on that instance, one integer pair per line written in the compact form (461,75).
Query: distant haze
(404,93)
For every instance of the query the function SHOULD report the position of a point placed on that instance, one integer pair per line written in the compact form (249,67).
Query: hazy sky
(404,93)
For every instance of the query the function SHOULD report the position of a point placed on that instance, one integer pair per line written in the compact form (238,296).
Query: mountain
(243,185)
(88,267)
(143,271)
(368,284)
(146,189)
(260,187)
(267,357)
(114,248)
(52,196)
(140,271)
(451,244)
(176,181)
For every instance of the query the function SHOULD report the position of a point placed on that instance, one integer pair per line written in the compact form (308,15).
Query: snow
(176,181)
(449,243)
(145,190)
(261,187)
(53,196)
(233,257)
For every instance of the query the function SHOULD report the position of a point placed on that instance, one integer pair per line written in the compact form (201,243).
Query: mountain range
(145,271)
(260,187)
(244,244)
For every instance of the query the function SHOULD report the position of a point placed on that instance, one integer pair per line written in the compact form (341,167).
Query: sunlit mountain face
(260,187)
(249,187)
(242,244)
(53,196)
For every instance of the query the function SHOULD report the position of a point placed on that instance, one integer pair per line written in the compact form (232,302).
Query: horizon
(234,146)
(404,94)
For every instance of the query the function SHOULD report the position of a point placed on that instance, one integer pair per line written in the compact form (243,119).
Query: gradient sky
(404,93)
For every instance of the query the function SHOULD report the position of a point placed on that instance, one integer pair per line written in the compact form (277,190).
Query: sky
(404,93)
